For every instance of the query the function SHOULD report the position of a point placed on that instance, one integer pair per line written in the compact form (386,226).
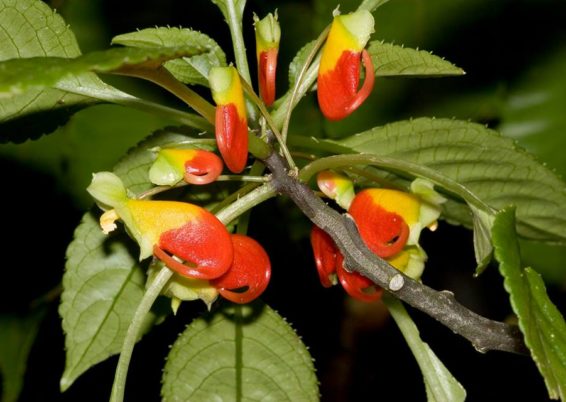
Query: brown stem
(483,333)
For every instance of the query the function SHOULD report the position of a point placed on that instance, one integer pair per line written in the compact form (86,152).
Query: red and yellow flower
(187,238)
(389,222)
(336,187)
(267,35)
(195,166)
(339,72)
(231,122)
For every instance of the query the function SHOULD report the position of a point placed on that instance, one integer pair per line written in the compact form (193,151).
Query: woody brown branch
(483,333)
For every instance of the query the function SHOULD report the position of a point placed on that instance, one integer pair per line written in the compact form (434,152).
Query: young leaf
(392,60)
(103,284)
(440,385)
(540,321)
(487,164)
(19,75)
(189,70)
(241,353)
(16,339)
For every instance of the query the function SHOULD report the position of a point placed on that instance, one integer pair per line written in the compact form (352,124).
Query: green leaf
(440,385)
(67,153)
(17,334)
(298,62)
(29,28)
(242,353)
(490,166)
(392,60)
(540,321)
(227,6)
(19,75)
(103,284)
(483,247)
(190,70)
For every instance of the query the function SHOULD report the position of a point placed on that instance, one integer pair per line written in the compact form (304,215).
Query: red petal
(267,65)
(385,233)
(232,137)
(325,253)
(337,89)
(357,285)
(203,243)
(250,269)
(204,168)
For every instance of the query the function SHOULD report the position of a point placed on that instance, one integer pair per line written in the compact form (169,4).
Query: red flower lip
(338,94)
(249,274)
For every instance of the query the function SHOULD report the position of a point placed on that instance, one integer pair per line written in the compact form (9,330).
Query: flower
(389,222)
(170,230)
(231,122)
(336,187)
(249,274)
(325,254)
(356,285)
(267,36)
(195,166)
(339,71)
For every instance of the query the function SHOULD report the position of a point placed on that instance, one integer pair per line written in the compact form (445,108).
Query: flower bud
(267,36)
(195,166)
(231,121)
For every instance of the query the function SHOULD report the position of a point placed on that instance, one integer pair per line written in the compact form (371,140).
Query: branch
(483,333)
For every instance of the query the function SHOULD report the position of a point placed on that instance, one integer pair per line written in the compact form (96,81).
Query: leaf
(540,321)
(392,60)
(240,353)
(17,335)
(67,153)
(19,75)
(189,70)
(440,385)
(490,166)
(231,8)
(103,284)
(298,62)
(483,247)
(29,28)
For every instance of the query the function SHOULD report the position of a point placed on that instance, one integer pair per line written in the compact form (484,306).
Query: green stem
(302,77)
(236,177)
(133,333)
(251,93)
(124,99)
(340,161)
(162,77)
(235,24)
(404,322)
(248,201)
(243,222)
